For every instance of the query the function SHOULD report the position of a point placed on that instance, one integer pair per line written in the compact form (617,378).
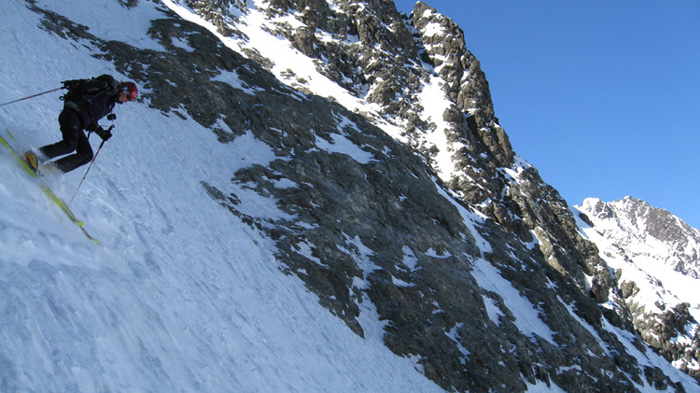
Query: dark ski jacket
(96,109)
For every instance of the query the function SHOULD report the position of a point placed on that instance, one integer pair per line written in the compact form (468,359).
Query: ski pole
(87,170)
(32,96)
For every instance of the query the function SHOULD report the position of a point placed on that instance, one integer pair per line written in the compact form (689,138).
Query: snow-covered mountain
(309,195)
(649,235)
(656,261)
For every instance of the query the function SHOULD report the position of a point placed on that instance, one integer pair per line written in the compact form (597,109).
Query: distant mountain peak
(640,228)
(656,260)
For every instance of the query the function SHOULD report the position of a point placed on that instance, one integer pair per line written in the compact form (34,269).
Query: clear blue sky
(602,97)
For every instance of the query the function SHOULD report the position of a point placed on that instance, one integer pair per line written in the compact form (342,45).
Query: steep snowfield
(180,295)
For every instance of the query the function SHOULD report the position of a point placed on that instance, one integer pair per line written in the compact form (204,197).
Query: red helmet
(130,89)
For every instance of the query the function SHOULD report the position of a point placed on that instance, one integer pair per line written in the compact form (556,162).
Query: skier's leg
(70,128)
(81,157)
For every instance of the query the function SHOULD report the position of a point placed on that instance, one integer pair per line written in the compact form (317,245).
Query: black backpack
(81,92)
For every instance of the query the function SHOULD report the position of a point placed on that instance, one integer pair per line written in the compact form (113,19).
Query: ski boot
(31,160)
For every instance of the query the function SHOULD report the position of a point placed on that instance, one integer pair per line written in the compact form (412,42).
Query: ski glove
(104,134)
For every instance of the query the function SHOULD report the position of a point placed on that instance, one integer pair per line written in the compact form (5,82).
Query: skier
(87,101)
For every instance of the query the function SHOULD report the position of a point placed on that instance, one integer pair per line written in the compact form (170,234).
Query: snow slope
(180,295)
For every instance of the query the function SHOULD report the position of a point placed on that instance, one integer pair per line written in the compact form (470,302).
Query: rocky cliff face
(655,255)
(394,193)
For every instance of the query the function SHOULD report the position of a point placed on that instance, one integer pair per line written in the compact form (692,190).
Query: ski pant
(74,139)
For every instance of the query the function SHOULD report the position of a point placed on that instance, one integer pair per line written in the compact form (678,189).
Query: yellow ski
(58,201)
